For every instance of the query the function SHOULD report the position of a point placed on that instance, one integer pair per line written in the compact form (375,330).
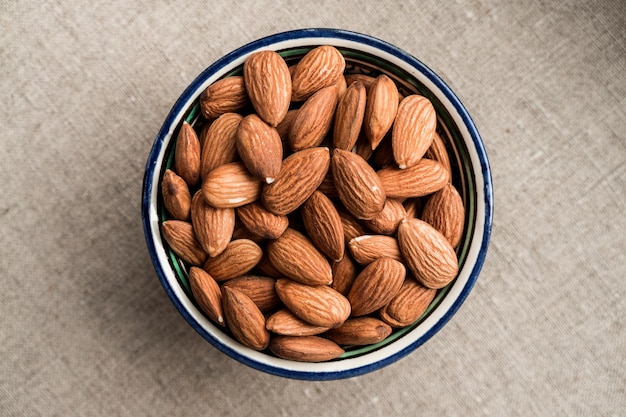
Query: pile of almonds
(314,209)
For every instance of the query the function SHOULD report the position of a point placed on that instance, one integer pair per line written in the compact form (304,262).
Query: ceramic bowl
(471,176)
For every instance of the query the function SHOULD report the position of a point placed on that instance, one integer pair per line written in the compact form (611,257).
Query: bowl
(471,176)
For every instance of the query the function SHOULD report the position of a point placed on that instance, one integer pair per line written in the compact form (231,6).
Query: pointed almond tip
(402,166)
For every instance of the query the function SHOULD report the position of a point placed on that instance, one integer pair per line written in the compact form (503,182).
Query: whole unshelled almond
(413,130)
(244,319)
(285,124)
(344,273)
(367,248)
(359,331)
(351,227)
(376,285)
(259,221)
(438,152)
(300,175)
(424,178)
(265,267)
(224,96)
(305,348)
(176,196)
(207,294)
(239,257)
(319,305)
(259,147)
(181,238)
(268,84)
(231,185)
(359,187)
(219,143)
(320,67)
(260,290)
(408,305)
(187,155)
(367,80)
(213,226)
(295,256)
(323,225)
(349,116)
(386,222)
(286,323)
(328,186)
(444,211)
(314,119)
(381,108)
(427,253)
(342,87)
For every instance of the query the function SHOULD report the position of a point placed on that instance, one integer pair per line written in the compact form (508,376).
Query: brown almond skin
(230,186)
(296,257)
(207,294)
(351,226)
(219,143)
(224,96)
(323,225)
(380,110)
(386,222)
(438,152)
(408,305)
(239,257)
(187,155)
(359,331)
(376,285)
(285,323)
(300,175)
(328,186)
(265,268)
(383,156)
(413,130)
(359,187)
(213,226)
(319,305)
(244,319)
(260,290)
(344,274)
(268,83)
(413,207)
(424,178)
(176,196)
(320,67)
(259,221)
(367,248)
(305,348)
(181,238)
(314,119)
(349,116)
(427,253)
(285,125)
(444,211)
(259,147)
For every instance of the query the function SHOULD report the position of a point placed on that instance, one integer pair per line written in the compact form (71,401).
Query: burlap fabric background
(86,329)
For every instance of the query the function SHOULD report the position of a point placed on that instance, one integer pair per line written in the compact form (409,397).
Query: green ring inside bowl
(462,176)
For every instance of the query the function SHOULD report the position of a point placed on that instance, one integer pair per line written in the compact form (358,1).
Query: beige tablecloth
(87,330)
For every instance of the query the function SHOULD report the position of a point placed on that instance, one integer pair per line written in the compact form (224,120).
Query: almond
(445,212)
(359,331)
(230,186)
(286,323)
(386,222)
(176,196)
(268,84)
(285,124)
(207,294)
(242,232)
(367,248)
(239,257)
(224,96)
(319,305)
(413,130)
(427,253)
(413,207)
(265,268)
(327,187)
(295,256)
(383,156)
(305,348)
(367,80)
(187,155)
(438,152)
(213,226)
(314,119)
(351,227)
(408,305)
(381,108)
(342,87)
(181,238)
(219,143)
(300,175)
(424,178)
(260,290)
(320,67)
(349,117)
(323,225)
(259,221)
(244,319)
(259,147)
(359,187)
(344,273)
(376,285)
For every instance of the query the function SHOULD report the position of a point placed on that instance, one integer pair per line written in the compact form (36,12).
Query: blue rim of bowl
(179,108)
